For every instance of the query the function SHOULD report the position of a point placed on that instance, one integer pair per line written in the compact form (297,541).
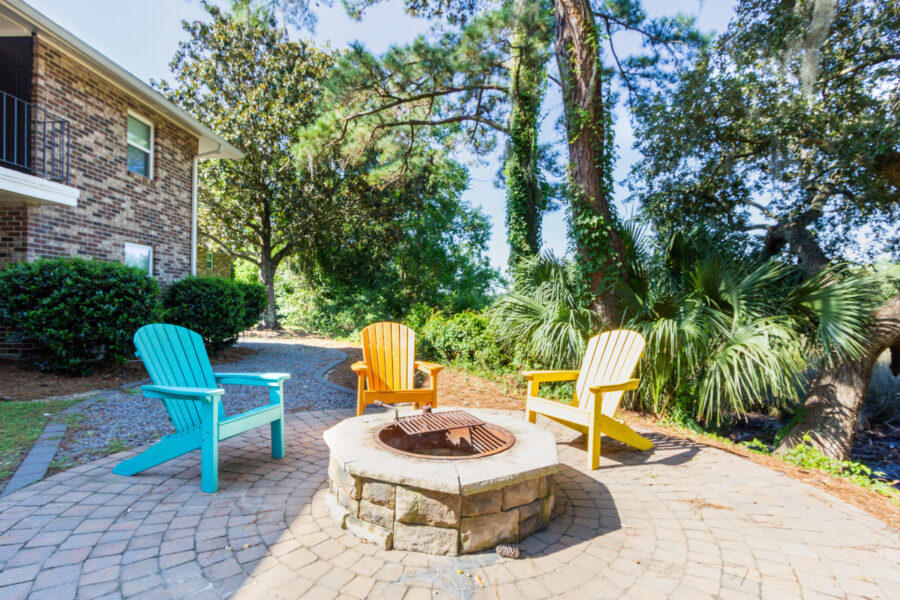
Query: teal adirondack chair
(183,378)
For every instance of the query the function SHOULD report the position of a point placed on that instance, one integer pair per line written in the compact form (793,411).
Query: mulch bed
(20,381)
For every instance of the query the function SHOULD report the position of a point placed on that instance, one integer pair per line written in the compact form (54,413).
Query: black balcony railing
(34,140)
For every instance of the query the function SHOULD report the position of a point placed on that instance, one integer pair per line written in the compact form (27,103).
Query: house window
(140,146)
(209,260)
(140,256)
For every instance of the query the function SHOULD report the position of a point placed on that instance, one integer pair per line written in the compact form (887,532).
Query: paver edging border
(34,466)
(320,374)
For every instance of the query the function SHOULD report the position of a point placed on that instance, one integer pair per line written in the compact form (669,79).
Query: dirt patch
(19,381)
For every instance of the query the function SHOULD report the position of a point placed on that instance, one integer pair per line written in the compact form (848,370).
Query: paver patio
(682,521)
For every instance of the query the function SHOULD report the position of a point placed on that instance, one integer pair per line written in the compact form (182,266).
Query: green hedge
(254,301)
(76,311)
(464,338)
(211,306)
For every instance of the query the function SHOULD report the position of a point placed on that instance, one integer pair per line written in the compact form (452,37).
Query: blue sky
(143,39)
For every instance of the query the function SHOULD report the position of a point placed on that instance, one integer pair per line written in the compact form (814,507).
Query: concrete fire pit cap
(533,455)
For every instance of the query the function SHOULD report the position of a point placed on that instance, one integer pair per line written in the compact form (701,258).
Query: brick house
(93,162)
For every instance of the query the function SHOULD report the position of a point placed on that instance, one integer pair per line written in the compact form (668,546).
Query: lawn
(20,425)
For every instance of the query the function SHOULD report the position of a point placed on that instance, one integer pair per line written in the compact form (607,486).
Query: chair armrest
(620,386)
(181,393)
(251,378)
(543,376)
(360,368)
(428,367)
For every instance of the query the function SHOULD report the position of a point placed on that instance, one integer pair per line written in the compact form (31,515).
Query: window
(209,260)
(140,146)
(140,256)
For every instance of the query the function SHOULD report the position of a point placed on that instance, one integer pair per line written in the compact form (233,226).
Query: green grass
(20,425)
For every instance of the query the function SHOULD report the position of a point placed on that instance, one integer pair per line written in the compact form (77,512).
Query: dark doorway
(16,64)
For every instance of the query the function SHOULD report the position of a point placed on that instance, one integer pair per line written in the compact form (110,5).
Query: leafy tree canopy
(786,127)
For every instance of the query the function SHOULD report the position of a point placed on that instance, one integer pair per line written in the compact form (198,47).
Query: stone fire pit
(440,505)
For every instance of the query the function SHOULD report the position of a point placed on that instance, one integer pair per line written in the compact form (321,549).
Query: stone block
(545,484)
(519,493)
(548,504)
(346,501)
(424,507)
(529,510)
(378,492)
(375,513)
(337,512)
(374,534)
(529,526)
(424,538)
(483,503)
(486,531)
(344,480)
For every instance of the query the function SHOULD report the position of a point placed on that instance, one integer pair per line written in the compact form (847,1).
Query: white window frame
(142,246)
(149,123)
(209,260)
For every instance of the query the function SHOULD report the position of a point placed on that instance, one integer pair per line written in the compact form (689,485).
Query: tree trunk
(524,201)
(837,394)
(592,222)
(267,278)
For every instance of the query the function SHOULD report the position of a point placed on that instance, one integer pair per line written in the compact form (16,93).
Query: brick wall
(221,264)
(13,222)
(116,205)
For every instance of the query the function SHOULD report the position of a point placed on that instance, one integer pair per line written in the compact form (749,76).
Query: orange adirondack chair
(605,375)
(388,367)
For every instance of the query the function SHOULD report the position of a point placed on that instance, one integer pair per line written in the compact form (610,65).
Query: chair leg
(209,447)
(625,434)
(593,453)
(360,396)
(276,395)
(165,450)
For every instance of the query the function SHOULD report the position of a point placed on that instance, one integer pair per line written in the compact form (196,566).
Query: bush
(254,301)
(465,339)
(76,311)
(211,306)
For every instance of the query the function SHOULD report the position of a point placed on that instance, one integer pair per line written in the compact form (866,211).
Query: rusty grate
(448,434)
(434,422)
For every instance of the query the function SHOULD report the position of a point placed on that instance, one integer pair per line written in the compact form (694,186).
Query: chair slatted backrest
(610,357)
(389,352)
(176,356)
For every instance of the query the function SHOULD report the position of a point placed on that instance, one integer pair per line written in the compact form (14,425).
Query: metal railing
(33,140)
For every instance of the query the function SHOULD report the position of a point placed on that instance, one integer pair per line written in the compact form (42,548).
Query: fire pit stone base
(446,507)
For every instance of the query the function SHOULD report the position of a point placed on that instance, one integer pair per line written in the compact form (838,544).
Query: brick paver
(682,521)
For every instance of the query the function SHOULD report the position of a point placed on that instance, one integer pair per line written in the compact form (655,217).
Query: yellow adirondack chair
(388,367)
(604,376)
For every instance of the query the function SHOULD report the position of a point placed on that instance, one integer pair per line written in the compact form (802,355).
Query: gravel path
(124,419)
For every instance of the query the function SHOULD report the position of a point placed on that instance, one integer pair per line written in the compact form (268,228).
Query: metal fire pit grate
(432,422)
(448,434)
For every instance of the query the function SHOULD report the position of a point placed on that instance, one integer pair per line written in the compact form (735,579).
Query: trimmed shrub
(76,311)
(254,300)
(211,306)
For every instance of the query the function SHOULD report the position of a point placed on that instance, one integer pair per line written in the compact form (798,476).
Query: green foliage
(256,87)
(807,456)
(253,298)
(75,310)
(211,306)
(543,317)
(787,126)
(725,333)
(465,339)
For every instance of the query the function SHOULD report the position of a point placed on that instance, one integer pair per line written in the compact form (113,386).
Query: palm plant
(725,333)
(541,318)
